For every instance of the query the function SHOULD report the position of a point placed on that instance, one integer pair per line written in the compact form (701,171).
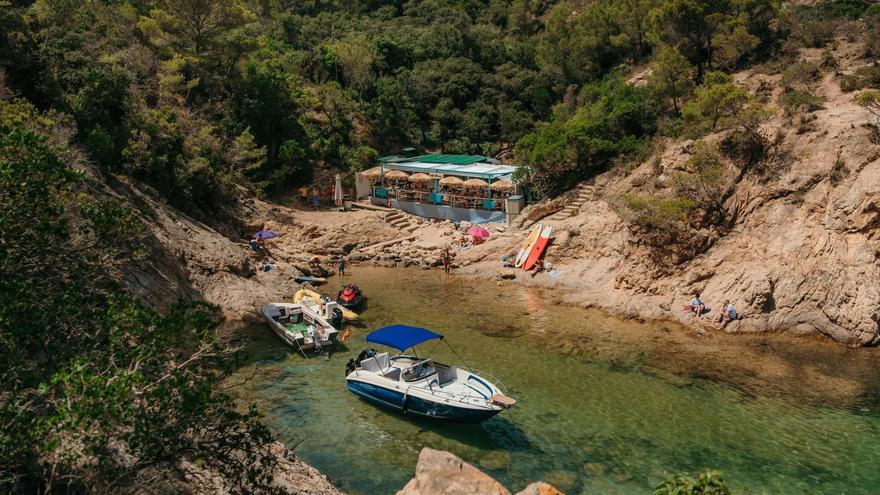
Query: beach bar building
(469,188)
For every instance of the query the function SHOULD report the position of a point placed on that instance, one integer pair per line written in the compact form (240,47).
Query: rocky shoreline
(442,473)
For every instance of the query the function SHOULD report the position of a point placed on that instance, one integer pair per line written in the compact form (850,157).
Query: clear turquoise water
(605,406)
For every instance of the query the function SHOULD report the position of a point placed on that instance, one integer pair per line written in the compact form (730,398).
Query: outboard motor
(332,313)
(336,318)
(350,366)
(354,363)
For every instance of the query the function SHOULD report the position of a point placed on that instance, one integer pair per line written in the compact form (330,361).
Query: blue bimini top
(401,337)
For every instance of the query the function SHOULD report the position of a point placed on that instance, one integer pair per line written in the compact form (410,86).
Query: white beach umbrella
(337,197)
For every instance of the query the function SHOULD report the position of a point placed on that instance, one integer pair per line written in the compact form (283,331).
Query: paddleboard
(527,246)
(538,250)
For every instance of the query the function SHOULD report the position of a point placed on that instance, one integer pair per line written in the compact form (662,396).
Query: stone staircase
(585,193)
(400,221)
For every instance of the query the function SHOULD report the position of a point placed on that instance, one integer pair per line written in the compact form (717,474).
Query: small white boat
(423,387)
(299,326)
(315,301)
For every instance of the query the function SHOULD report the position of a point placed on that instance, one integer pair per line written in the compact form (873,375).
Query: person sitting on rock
(697,306)
(728,314)
(259,245)
(539,267)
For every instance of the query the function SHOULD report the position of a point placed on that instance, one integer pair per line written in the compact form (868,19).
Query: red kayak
(539,248)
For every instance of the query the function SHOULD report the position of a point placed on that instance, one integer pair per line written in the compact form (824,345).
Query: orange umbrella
(396,175)
(373,173)
(451,181)
(503,185)
(476,183)
(420,177)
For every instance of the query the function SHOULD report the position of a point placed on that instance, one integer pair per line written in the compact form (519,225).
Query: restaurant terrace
(470,188)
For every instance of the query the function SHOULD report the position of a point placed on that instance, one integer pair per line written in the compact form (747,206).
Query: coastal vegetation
(99,393)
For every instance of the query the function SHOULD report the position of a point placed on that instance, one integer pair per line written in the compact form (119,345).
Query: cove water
(604,405)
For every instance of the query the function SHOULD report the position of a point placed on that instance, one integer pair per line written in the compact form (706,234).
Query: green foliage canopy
(98,392)
(613,119)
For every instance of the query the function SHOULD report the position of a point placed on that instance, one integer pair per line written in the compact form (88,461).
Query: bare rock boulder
(441,473)
(538,211)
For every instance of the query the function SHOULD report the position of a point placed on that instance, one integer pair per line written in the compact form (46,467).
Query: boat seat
(371,365)
(445,373)
(383,360)
(392,374)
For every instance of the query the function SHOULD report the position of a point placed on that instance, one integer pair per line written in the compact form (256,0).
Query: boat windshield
(419,370)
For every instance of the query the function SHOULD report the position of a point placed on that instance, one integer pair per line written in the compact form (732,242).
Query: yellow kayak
(312,298)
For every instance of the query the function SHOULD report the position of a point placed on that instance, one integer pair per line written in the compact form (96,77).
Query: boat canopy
(401,337)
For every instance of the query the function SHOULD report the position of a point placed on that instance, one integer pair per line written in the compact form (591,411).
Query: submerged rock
(540,488)
(496,461)
(565,479)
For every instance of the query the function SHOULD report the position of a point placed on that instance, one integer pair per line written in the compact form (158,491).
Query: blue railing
(436,198)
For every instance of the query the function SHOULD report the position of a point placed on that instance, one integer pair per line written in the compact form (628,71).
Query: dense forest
(198,98)
(192,96)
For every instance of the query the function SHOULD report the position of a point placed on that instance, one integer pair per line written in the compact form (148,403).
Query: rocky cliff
(803,254)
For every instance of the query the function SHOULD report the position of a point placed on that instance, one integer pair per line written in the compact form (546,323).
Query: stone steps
(585,193)
(400,221)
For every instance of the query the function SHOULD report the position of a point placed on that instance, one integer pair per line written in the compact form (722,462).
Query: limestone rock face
(803,254)
(441,473)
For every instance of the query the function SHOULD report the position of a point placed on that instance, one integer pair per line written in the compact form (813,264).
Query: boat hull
(409,405)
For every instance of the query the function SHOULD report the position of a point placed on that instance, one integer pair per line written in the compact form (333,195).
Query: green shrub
(828,61)
(864,77)
(870,75)
(798,101)
(614,120)
(843,9)
(721,104)
(816,33)
(709,483)
(657,213)
(870,100)
(704,184)
(872,31)
(850,82)
(800,75)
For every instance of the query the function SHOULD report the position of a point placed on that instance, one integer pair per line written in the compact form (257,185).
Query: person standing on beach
(447,261)
(340,267)
(316,200)
(304,195)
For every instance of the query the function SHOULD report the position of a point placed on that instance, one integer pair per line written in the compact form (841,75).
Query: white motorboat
(419,386)
(300,326)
